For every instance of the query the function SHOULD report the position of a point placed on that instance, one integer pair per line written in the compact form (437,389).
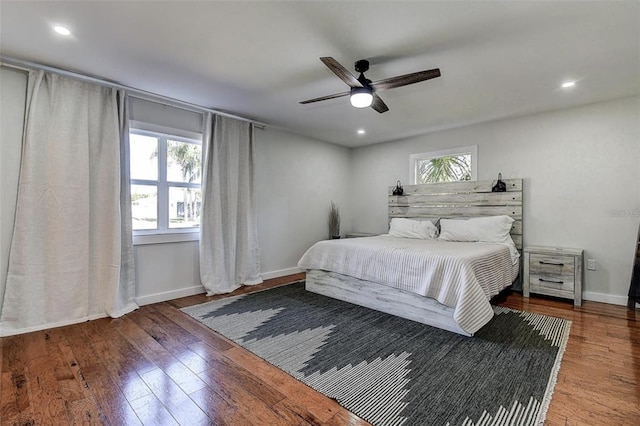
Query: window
(450,165)
(166,172)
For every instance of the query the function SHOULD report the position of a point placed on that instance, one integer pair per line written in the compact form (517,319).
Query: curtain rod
(141,94)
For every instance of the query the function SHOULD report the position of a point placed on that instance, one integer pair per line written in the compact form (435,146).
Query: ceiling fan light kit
(363,91)
(361,97)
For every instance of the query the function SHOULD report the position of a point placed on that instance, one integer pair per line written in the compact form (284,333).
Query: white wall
(297,178)
(579,166)
(13,89)
(166,271)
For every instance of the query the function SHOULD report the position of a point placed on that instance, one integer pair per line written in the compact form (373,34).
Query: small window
(166,174)
(451,165)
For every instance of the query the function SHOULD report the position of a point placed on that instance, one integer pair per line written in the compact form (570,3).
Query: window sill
(139,240)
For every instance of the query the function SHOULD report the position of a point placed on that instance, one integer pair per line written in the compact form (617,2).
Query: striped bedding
(463,276)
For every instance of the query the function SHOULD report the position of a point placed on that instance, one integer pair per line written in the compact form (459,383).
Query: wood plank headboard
(460,200)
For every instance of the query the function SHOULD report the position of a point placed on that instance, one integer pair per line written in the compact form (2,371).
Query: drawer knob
(550,281)
(551,263)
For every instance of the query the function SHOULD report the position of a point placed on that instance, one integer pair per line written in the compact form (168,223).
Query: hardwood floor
(157,366)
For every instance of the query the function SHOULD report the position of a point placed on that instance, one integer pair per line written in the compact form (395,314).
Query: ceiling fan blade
(341,71)
(324,98)
(378,104)
(403,80)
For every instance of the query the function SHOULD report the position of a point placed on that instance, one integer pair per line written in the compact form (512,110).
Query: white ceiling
(259,59)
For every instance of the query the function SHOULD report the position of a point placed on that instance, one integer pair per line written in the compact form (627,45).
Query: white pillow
(490,229)
(408,228)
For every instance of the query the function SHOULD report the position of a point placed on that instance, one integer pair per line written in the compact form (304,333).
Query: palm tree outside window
(453,165)
(166,176)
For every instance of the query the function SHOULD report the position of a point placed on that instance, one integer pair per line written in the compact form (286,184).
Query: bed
(445,284)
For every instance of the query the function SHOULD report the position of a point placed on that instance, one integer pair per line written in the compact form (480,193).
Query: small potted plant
(334,221)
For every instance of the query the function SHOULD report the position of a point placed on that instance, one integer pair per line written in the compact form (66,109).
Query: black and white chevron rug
(392,371)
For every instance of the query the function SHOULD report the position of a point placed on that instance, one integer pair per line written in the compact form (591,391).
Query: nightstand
(553,271)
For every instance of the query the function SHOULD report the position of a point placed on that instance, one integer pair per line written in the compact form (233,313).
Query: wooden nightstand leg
(577,290)
(525,276)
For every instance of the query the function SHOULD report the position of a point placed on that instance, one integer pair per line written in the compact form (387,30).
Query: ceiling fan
(363,91)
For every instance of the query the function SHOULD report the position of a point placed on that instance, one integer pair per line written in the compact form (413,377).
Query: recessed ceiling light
(568,84)
(361,131)
(62,30)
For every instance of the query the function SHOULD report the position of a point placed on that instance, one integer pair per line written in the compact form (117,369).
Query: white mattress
(463,276)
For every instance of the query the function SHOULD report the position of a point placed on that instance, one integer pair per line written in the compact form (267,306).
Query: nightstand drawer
(561,267)
(549,291)
(562,283)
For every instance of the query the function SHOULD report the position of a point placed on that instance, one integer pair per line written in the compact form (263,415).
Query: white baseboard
(6,333)
(612,299)
(280,273)
(190,291)
(169,295)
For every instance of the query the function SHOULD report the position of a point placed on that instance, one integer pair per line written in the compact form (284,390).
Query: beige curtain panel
(229,223)
(66,254)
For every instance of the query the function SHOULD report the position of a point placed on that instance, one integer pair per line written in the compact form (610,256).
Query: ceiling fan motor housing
(362,66)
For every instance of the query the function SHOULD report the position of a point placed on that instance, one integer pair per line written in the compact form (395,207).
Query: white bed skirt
(383,298)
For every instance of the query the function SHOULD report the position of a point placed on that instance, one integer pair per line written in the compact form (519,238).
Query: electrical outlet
(591,264)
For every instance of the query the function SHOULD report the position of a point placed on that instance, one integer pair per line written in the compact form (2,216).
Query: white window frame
(414,158)
(164,234)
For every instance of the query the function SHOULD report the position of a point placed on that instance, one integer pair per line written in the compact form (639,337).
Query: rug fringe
(553,379)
